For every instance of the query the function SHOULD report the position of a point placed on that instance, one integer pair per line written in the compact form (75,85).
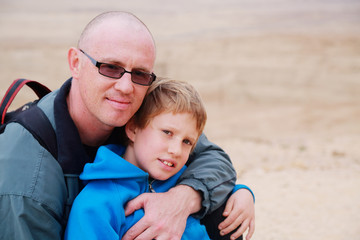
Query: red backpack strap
(14,88)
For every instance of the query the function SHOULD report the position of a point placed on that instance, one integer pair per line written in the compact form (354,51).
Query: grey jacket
(35,197)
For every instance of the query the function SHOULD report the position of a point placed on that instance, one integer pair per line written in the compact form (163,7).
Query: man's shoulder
(27,169)
(47,105)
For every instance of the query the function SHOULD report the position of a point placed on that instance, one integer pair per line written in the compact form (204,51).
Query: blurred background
(280,80)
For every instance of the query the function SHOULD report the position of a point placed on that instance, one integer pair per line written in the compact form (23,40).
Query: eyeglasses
(116,72)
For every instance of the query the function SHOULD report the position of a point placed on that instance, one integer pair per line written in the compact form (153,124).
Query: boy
(161,136)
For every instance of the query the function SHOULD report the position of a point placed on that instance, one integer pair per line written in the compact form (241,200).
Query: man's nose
(124,84)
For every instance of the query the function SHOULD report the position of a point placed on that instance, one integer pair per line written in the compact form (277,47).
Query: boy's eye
(188,142)
(167,132)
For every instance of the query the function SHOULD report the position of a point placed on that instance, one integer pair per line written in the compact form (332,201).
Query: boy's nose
(175,147)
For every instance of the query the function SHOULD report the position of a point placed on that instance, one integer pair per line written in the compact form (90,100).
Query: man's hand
(239,209)
(165,213)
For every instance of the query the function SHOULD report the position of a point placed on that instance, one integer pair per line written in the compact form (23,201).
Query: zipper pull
(150,186)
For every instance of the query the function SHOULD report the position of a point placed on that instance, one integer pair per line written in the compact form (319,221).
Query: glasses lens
(114,71)
(141,78)
(110,70)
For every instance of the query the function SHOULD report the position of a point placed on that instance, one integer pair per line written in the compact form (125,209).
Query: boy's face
(163,146)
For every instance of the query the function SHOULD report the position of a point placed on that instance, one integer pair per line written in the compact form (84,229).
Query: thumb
(134,205)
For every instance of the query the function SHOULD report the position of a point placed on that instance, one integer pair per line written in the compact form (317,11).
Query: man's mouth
(119,104)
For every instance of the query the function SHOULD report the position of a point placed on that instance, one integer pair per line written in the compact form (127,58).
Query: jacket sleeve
(211,172)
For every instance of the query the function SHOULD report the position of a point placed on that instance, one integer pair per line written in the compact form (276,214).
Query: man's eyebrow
(112,61)
(119,63)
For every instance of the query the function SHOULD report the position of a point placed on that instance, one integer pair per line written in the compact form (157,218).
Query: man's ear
(74,62)
(130,130)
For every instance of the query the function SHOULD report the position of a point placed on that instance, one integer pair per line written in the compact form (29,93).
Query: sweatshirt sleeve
(211,172)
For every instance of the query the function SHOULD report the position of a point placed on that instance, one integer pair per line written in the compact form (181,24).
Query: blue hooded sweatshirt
(111,181)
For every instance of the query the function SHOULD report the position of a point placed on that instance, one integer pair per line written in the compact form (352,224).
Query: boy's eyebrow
(192,139)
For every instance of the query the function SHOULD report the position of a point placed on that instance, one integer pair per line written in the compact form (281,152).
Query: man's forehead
(111,25)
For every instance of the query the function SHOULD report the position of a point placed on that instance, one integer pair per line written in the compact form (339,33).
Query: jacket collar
(71,153)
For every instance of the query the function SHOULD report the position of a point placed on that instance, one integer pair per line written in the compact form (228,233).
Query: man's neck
(91,131)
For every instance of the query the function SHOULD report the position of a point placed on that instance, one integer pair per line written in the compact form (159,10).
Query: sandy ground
(281,82)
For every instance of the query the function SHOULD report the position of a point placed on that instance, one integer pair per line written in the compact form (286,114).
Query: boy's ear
(130,130)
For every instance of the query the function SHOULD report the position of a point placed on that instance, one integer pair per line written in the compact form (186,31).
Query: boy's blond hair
(165,95)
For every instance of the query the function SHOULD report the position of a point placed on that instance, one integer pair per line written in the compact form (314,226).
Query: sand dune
(280,79)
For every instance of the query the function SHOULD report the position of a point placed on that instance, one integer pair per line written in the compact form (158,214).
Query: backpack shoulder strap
(30,116)
(38,124)
(14,88)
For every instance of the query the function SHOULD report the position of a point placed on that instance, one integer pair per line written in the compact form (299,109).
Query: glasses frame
(97,64)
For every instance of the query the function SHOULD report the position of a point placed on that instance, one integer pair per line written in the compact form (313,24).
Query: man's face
(112,102)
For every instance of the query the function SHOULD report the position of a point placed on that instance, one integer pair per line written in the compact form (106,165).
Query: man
(111,71)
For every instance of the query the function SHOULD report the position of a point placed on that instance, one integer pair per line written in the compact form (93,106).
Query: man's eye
(111,70)
(111,67)
(139,73)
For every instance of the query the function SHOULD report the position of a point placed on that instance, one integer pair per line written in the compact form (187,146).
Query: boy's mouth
(167,163)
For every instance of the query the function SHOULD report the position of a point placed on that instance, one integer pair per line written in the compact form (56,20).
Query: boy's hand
(239,209)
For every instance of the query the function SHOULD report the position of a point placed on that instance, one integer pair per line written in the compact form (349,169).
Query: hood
(109,164)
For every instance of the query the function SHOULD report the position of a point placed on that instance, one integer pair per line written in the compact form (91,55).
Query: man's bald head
(122,19)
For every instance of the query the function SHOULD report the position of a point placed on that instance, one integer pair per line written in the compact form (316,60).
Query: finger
(234,225)
(240,231)
(136,230)
(135,204)
(229,220)
(251,230)
(149,233)
(228,207)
